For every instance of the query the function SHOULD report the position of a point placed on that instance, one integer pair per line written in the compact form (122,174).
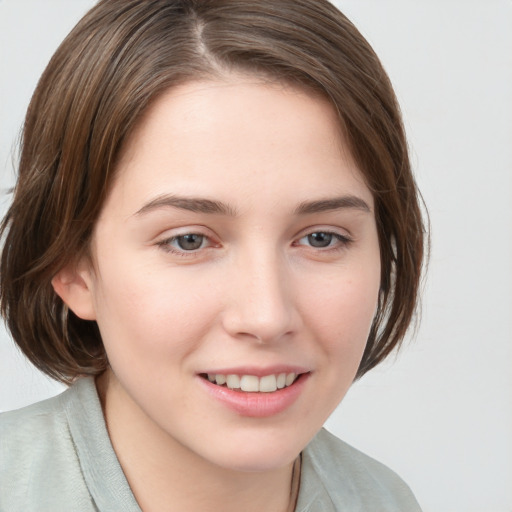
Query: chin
(260,453)
(260,462)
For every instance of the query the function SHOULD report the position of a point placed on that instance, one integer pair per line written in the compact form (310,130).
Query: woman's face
(238,242)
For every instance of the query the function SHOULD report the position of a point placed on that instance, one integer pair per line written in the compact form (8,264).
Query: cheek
(345,307)
(157,315)
(339,315)
(342,311)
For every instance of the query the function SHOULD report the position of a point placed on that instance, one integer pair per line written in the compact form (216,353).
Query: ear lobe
(74,286)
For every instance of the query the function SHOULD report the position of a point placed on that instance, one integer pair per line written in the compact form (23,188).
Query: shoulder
(38,461)
(30,431)
(348,476)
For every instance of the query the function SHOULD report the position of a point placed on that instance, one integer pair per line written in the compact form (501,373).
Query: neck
(166,476)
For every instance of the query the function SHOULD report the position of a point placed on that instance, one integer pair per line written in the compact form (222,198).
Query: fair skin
(238,238)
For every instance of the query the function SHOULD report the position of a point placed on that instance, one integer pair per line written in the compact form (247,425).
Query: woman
(215,230)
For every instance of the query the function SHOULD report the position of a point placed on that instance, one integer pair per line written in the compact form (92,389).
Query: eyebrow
(330,204)
(193,204)
(209,206)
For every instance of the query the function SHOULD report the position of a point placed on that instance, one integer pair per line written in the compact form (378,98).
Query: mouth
(252,383)
(262,395)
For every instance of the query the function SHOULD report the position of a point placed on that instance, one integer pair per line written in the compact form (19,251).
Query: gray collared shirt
(56,455)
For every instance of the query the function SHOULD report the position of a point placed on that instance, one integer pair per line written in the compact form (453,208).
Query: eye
(186,243)
(320,239)
(324,240)
(189,242)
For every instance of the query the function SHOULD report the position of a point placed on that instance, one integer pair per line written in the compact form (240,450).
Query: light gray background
(441,413)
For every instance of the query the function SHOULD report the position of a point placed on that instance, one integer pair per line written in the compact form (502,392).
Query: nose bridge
(261,304)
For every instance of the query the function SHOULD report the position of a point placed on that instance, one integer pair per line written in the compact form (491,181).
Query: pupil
(320,239)
(190,242)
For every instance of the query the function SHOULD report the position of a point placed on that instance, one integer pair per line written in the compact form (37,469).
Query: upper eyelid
(324,229)
(170,233)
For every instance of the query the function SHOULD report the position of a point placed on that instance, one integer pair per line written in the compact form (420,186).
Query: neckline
(295,484)
(100,466)
(101,469)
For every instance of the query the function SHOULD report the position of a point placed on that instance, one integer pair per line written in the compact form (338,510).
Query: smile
(255,396)
(252,383)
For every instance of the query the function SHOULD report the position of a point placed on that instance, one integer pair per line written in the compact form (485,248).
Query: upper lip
(258,371)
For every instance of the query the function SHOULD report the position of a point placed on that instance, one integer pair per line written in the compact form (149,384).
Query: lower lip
(257,405)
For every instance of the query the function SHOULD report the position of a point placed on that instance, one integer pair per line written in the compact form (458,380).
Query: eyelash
(167,247)
(343,242)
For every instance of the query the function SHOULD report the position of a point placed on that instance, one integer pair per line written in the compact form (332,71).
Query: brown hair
(120,57)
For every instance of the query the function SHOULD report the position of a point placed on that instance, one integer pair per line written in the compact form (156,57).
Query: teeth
(233,381)
(268,384)
(290,377)
(220,379)
(249,383)
(253,384)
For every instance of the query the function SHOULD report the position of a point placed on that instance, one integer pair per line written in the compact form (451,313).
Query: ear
(74,285)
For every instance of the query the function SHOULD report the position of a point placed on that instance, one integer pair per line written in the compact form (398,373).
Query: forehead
(213,137)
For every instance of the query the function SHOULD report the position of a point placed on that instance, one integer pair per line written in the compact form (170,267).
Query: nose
(260,303)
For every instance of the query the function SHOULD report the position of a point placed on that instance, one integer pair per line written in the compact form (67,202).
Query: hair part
(118,60)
